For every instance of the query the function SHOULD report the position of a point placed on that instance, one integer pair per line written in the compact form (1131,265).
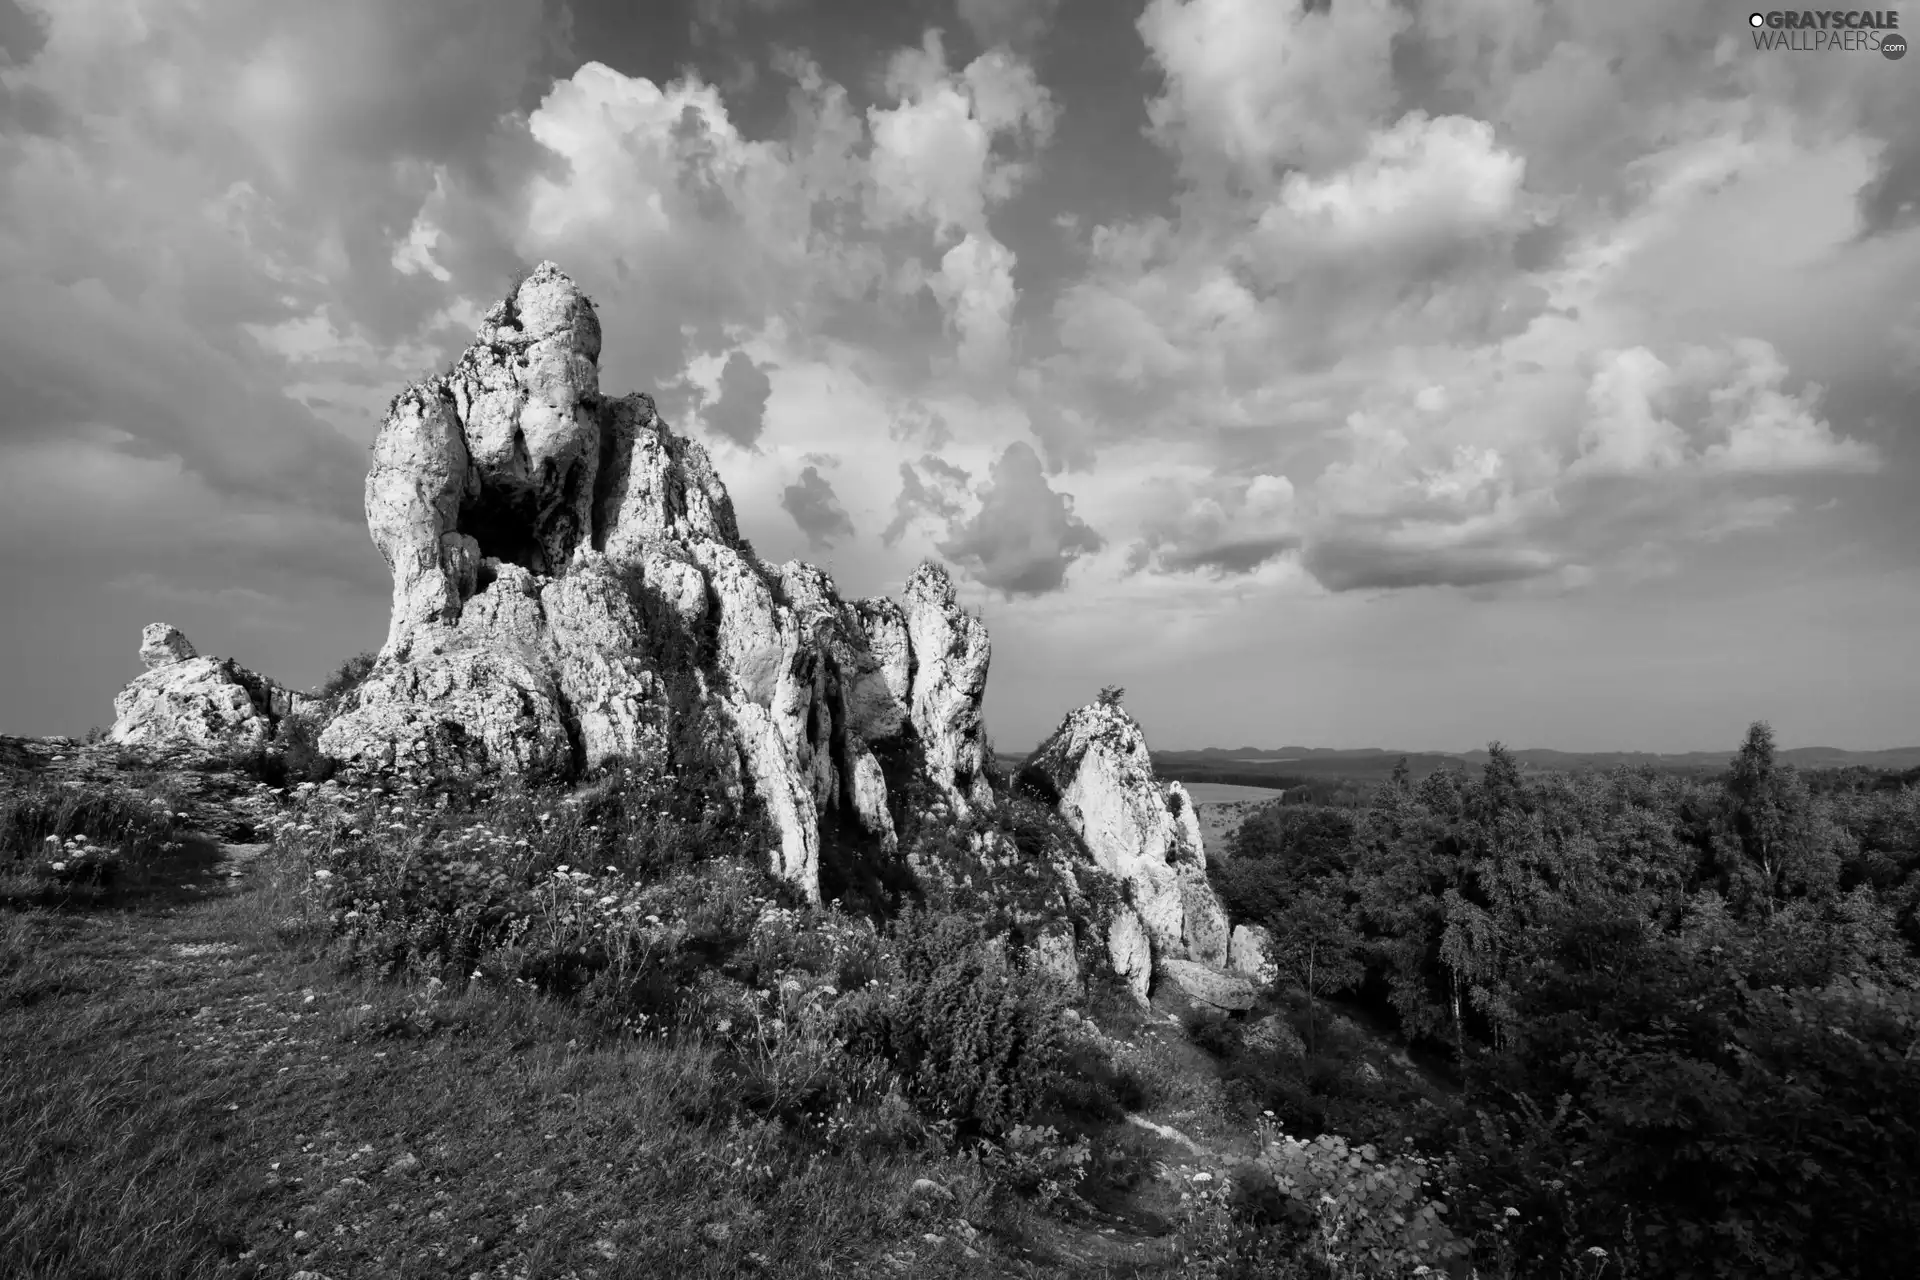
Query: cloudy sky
(1350,373)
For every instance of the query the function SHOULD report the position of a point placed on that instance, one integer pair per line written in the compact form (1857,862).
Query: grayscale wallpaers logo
(1830,31)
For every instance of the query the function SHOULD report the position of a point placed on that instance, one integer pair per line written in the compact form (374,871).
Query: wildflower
(59,866)
(1596,1252)
(1512,1212)
(323,875)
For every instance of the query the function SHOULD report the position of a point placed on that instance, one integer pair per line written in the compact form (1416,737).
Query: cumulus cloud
(975,286)
(1255,87)
(1422,184)
(955,142)
(696,234)
(811,502)
(1457,314)
(1215,526)
(1025,535)
(934,489)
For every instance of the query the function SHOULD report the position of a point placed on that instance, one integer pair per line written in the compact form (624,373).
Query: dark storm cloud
(1891,201)
(1354,563)
(740,412)
(21,33)
(1025,535)
(811,502)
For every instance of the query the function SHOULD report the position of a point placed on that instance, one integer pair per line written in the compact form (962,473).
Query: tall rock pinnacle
(563,562)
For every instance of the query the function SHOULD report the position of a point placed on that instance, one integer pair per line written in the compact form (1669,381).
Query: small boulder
(1250,952)
(1204,984)
(1053,953)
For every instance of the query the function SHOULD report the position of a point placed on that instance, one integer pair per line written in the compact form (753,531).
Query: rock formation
(1095,769)
(185,700)
(569,578)
(1250,952)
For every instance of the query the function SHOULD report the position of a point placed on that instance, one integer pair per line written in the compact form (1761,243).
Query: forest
(1675,1015)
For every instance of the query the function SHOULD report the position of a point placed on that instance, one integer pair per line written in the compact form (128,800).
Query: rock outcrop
(1205,984)
(185,700)
(570,587)
(1250,952)
(1095,769)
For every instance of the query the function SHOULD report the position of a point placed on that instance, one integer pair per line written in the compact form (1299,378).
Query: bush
(35,816)
(977,1041)
(1370,1216)
(1210,1031)
(1035,1160)
(350,675)
(301,759)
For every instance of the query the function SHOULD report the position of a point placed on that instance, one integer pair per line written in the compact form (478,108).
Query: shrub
(977,1041)
(35,815)
(1034,1160)
(301,759)
(347,677)
(1210,1031)
(1371,1216)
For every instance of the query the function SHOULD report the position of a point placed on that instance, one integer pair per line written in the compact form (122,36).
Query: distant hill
(1284,767)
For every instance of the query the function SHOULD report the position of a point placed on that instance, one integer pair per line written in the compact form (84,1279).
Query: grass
(197,1092)
(336,1063)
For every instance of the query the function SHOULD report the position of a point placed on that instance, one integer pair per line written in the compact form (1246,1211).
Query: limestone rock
(162,644)
(570,584)
(1208,985)
(881,690)
(1250,952)
(1130,952)
(1146,834)
(184,700)
(1054,953)
(950,654)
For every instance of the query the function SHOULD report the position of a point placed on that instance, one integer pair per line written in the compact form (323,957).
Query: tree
(1111,694)
(1315,948)
(1775,839)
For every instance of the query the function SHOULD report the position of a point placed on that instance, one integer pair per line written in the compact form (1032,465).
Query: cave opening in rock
(505,524)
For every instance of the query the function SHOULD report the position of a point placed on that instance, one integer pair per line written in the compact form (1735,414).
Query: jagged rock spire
(544,538)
